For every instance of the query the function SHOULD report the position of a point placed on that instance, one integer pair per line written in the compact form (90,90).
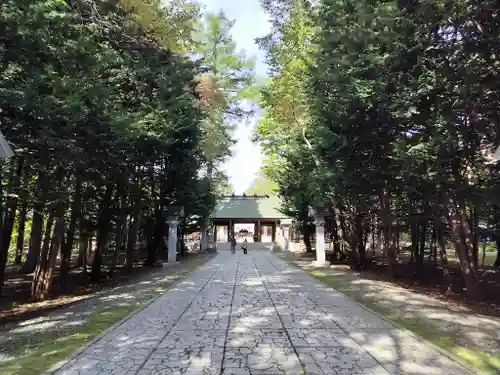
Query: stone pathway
(255,314)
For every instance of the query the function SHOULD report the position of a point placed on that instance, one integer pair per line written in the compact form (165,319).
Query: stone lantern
(319,221)
(173,215)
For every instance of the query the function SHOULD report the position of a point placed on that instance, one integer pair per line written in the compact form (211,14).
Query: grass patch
(488,363)
(35,359)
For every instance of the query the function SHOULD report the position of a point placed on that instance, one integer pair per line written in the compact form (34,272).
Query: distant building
(261,211)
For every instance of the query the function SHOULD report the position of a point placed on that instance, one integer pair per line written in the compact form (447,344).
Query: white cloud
(246,160)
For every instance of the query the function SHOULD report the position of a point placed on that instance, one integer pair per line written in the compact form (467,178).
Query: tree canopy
(385,114)
(261,186)
(114,109)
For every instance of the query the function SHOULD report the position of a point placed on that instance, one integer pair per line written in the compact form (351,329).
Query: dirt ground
(15,305)
(428,280)
(470,330)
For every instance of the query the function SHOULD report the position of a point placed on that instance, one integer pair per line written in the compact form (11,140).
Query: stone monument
(319,221)
(173,214)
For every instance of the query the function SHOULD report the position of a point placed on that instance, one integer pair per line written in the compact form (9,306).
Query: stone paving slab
(255,315)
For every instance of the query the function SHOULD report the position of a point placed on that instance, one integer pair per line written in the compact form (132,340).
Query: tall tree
(391,118)
(283,132)
(104,116)
(227,73)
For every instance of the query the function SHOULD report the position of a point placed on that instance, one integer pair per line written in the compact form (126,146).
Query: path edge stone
(452,356)
(76,353)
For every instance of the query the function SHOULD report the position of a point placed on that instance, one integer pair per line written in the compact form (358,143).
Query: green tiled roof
(248,207)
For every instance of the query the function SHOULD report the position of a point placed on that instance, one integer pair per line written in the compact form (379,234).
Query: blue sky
(251,22)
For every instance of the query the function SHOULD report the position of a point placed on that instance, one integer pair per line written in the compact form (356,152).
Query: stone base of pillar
(167,264)
(319,264)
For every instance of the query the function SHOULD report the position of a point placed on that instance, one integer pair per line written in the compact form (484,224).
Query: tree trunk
(70,237)
(23,213)
(374,244)
(398,237)
(349,239)
(433,250)
(9,216)
(121,198)
(35,242)
(83,251)
(42,259)
(484,254)
(474,224)
(497,260)
(421,246)
(42,280)
(335,238)
(132,240)
(389,241)
(135,200)
(20,232)
(459,225)
(358,235)
(157,236)
(414,238)
(182,245)
(36,225)
(103,228)
(307,233)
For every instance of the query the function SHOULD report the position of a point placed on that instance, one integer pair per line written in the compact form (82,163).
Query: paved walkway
(255,314)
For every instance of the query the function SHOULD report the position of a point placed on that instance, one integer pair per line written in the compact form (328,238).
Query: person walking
(233,244)
(245,246)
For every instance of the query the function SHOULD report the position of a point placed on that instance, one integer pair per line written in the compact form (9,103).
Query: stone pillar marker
(204,236)
(286,232)
(319,222)
(173,222)
(173,214)
(259,232)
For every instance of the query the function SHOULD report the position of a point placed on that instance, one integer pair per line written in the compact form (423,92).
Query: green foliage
(286,122)
(384,112)
(262,186)
(226,74)
(113,119)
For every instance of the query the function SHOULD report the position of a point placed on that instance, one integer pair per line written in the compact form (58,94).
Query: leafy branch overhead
(114,110)
(385,113)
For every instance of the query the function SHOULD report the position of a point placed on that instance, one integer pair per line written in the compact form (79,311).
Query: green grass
(485,362)
(40,351)
(38,358)
(489,364)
